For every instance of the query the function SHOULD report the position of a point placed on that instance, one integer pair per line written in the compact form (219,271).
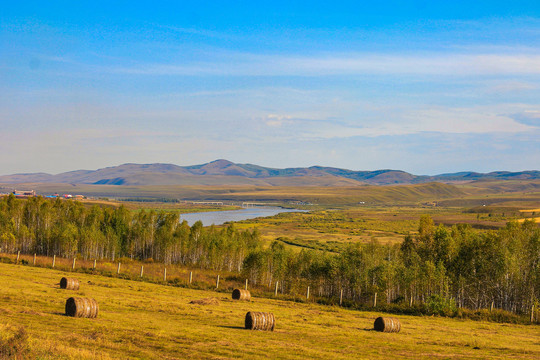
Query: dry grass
(536,219)
(331,229)
(295,191)
(143,320)
(206,301)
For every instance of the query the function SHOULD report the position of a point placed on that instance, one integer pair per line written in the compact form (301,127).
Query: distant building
(24,193)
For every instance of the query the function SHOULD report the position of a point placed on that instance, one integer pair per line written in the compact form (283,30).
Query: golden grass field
(140,320)
(536,219)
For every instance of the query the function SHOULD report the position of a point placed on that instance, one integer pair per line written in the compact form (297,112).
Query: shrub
(497,315)
(6,260)
(439,305)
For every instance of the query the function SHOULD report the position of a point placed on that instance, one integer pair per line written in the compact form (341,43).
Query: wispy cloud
(275,120)
(529,118)
(509,86)
(404,122)
(449,64)
(195,31)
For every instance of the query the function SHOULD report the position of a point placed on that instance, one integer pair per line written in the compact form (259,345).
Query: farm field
(151,321)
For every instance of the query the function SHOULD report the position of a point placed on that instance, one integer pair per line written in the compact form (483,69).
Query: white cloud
(245,64)
(275,120)
(473,120)
(512,86)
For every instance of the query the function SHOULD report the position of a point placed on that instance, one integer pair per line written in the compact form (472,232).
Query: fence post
(532,313)
(18,256)
(95,263)
(341,297)
(375,300)
(190,277)
(73,266)
(217,282)
(491,307)
(246,284)
(53,260)
(165,274)
(275,291)
(34,259)
(307,294)
(142,270)
(118,270)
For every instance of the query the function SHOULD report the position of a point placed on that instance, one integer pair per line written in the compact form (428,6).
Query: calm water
(221,217)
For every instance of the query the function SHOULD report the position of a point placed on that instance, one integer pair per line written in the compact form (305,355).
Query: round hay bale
(69,283)
(82,307)
(240,294)
(260,321)
(387,324)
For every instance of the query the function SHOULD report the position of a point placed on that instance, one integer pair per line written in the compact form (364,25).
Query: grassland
(332,229)
(362,213)
(154,321)
(141,320)
(524,193)
(321,195)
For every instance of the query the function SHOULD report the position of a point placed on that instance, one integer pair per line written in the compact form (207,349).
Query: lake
(221,217)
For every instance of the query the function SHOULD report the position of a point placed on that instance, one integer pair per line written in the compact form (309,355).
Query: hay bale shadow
(231,327)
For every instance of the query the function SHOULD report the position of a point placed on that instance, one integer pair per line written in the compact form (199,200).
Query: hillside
(296,191)
(223,172)
(151,321)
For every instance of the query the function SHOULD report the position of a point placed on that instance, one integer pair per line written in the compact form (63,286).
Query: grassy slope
(142,320)
(325,195)
(517,193)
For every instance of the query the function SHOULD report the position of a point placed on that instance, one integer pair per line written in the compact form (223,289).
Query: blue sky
(423,86)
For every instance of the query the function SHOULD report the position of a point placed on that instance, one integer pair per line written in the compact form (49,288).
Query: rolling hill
(224,172)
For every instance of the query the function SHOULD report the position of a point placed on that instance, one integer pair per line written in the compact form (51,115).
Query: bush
(497,315)
(439,305)
(238,278)
(6,260)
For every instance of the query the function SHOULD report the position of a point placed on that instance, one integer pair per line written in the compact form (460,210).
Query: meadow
(141,320)
(332,229)
(522,193)
(150,318)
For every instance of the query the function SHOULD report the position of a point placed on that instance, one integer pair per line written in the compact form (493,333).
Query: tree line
(450,267)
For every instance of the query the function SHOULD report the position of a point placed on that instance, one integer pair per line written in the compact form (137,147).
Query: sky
(427,87)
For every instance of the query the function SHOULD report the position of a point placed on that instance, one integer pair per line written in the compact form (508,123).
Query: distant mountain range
(223,172)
